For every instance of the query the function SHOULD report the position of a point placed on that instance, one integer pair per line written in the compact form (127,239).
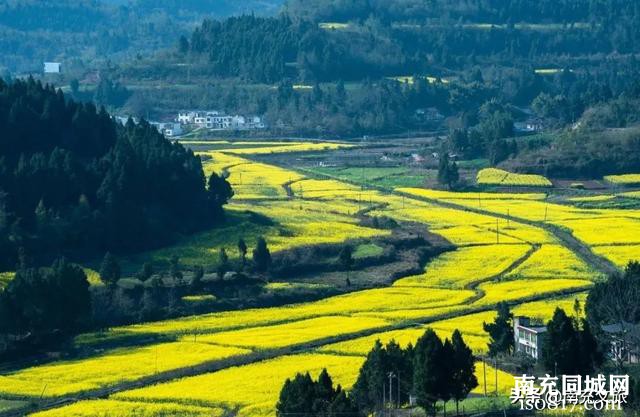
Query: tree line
(432,370)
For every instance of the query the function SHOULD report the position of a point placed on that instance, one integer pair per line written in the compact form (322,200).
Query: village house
(528,337)
(531,125)
(170,129)
(624,342)
(217,120)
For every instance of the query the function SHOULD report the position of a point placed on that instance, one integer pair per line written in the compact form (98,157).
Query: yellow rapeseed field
(452,195)
(605,230)
(494,176)
(300,147)
(466,265)
(469,325)
(620,255)
(112,408)
(628,179)
(293,333)
(375,301)
(250,180)
(254,388)
(125,364)
(523,288)
(554,261)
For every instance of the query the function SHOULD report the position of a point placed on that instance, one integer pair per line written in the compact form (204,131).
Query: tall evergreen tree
(110,270)
(501,331)
(463,376)
(569,349)
(242,251)
(428,373)
(261,256)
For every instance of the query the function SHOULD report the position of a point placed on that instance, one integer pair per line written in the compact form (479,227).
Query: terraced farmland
(509,247)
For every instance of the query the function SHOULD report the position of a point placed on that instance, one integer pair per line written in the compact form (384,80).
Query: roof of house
(621,327)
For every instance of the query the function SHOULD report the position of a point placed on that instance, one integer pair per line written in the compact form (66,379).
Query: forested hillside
(361,39)
(72,182)
(83,33)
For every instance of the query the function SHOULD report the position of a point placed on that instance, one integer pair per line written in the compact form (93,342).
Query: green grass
(368,250)
(6,405)
(385,177)
(614,203)
(203,248)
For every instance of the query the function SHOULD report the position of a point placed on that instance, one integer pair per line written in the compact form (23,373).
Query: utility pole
(496,369)
(398,399)
(546,210)
(484,372)
(391,376)
(384,395)
(508,218)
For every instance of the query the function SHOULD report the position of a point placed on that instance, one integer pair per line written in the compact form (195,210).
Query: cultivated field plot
(467,265)
(620,255)
(553,261)
(252,389)
(493,176)
(628,179)
(103,371)
(385,177)
(250,180)
(291,334)
(111,408)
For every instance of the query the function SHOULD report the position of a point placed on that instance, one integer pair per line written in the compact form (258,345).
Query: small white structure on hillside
(169,129)
(52,67)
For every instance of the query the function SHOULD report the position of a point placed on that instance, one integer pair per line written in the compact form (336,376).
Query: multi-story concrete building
(529,337)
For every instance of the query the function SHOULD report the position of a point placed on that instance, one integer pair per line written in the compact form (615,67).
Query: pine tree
(176,273)
(447,170)
(501,331)
(261,256)
(110,270)
(196,281)
(242,251)
(447,372)
(145,272)
(219,191)
(428,372)
(463,375)
(346,257)
(560,351)
(223,263)
(569,349)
